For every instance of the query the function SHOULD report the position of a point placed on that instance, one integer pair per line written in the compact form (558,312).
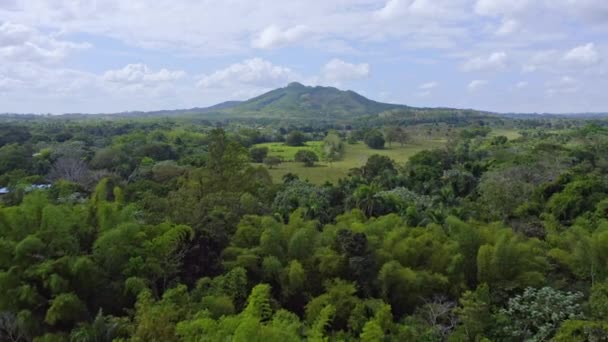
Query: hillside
(413,115)
(300,101)
(296,102)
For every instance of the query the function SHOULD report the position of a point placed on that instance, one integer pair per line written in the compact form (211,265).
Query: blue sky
(110,55)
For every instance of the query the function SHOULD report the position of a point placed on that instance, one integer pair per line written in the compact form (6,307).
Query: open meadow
(355,155)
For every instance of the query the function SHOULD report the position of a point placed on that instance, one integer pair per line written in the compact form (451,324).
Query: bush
(374,139)
(272,161)
(307,157)
(295,138)
(258,154)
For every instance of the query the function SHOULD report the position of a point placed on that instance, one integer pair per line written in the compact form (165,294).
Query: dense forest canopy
(177,229)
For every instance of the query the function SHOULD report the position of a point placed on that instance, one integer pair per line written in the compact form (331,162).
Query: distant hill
(178,112)
(300,102)
(297,101)
(414,115)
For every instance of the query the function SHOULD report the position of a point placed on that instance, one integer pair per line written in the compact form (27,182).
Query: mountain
(181,112)
(297,101)
(300,102)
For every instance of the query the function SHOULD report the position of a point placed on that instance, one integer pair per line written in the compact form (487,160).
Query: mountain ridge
(298,101)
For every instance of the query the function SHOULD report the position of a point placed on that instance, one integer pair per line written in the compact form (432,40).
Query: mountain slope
(299,101)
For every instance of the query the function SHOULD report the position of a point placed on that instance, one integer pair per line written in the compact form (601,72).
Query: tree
(65,308)
(307,157)
(272,161)
(396,134)
(598,301)
(333,147)
(295,138)
(299,194)
(258,154)
(71,170)
(377,166)
(372,332)
(536,314)
(374,139)
(474,312)
(14,156)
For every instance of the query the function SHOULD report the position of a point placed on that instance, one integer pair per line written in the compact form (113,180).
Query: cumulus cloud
(476,85)
(584,55)
(337,70)
(521,85)
(393,8)
(494,62)
(140,74)
(397,37)
(273,36)
(20,43)
(427,9)
(251,72)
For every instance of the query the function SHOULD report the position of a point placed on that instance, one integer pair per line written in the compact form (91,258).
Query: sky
(102,56)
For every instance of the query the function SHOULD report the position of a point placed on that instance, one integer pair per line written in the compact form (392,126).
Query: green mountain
(299,101)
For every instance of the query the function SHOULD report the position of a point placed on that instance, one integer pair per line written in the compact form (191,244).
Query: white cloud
(427,9)
(476,85)
(20,43)
(393,8)
(272,36)
(584,55)
(521,85)
(501,7)
(251,72)
(542,60)
(563,85)
(8,84)
(140,73)
(40,43)
(428,85)
(507,27)
(337,70)
(494,62)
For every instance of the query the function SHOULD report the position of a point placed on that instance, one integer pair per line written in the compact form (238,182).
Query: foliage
(374,139)
(295,138)
(258,154)
(535,315)
(307,157)
(166,230)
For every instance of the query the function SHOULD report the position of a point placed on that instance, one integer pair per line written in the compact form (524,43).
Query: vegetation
(172,230)
(307,157)
(333,147)
(299,101)
(295,138)
(374,139)
(258,154)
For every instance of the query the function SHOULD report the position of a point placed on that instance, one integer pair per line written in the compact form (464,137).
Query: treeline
(172,235)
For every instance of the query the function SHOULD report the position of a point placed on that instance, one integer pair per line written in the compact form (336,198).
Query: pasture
(355,155)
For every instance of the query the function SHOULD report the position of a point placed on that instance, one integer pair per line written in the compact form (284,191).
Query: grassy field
(287,153)
(509,133)
(355,156)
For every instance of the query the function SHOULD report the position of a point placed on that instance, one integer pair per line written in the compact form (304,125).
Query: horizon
(285,86)
(492,55)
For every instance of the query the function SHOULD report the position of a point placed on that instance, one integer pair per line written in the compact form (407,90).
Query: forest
(169,229)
